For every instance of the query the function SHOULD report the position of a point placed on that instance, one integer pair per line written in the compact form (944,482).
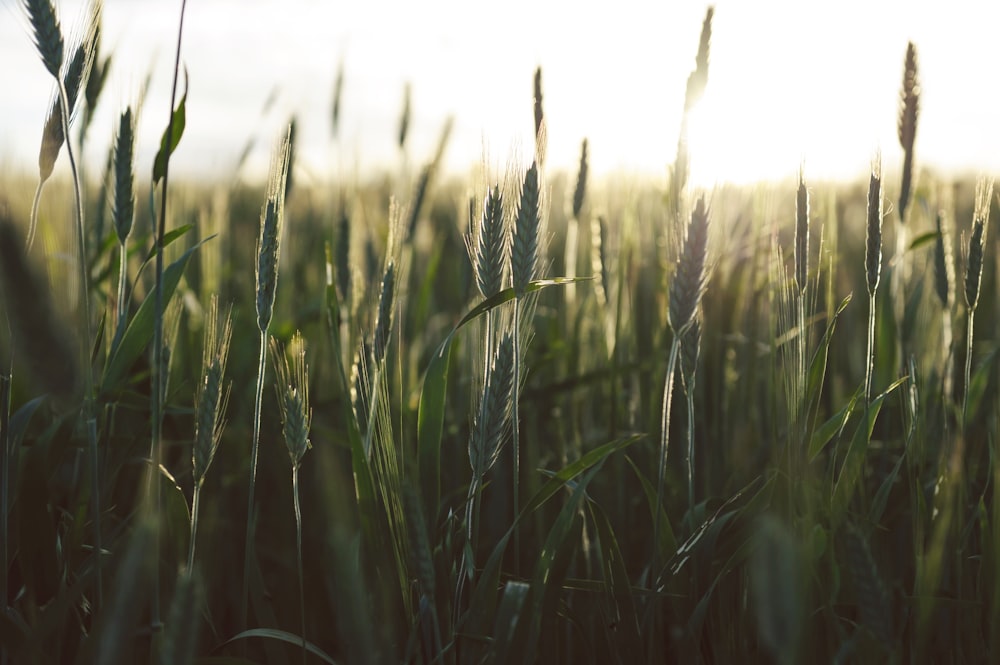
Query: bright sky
(789,80)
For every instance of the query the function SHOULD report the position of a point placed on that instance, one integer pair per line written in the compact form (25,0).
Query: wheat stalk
(50,45)
(73,75)
(686,290)
(524,268)
(492,420)
(802,224)
(268,246)
(974,275)
(296,416)
(210,405)
(873,264)
(123,206)
(944,287)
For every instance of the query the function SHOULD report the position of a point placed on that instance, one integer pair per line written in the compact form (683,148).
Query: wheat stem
(258,398)
(668,394)
(195,502)
(298,547)
(89,416)
(157,397)
(873,265)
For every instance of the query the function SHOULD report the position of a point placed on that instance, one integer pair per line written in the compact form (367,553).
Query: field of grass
(524,417)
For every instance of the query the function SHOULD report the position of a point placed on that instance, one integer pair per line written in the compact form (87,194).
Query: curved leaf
(283,636)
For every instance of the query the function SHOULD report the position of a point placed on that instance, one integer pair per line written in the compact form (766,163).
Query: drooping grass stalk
(210,405)
(296,416)
(873,265)
(49,41)
(974,278)
(524,268)
(50,45)
(686,289)
(268,252)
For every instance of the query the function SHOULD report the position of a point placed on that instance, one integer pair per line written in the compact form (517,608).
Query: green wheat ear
(47,33)
(524,252)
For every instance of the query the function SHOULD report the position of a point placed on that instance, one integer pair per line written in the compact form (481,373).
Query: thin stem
(88,399)
(471,507)
(298,544)
(33,224)
(258,398)
(801,405)
(690,448)
(870,355)
(122,306)
(157,397)
(515,435)
(668,392)
(195,499)
(968,368)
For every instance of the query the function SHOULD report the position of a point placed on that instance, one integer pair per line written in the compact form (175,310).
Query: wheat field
(522,415)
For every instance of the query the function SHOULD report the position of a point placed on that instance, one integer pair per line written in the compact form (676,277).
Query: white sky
(789,81)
